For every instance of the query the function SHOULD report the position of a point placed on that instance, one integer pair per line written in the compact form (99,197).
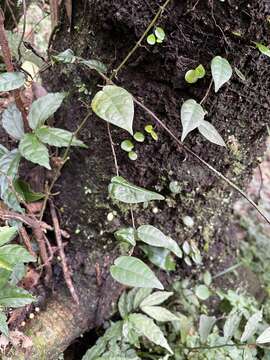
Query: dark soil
(195,32)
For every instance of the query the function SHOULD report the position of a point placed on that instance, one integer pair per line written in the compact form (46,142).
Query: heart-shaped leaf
(221,71)
(33,150)
(115,105)
(210,133)
(133,272)
(12,122)
(192,114)
(121,190)
(11,81)
(43,108)
(57,137)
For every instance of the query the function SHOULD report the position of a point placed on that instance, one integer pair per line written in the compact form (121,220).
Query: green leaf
(207,278)
(202,292)
(205,326)
(133,272)
(127,145)
(57,137)
(132,155)
(126,235)
(191,76)
(200,71)
(263,49)
(192,115)
(149,128)
(153,236)
(115,105)
(156,298)
(264,337)
(159,313)
(251,326)
(141,294)
(160,34)
(3,324)
(11,81)
(221,71)
(4,277)
(13,254)
(11,296)
(160,257)
(12,122)
(151,39)
(65,57)
(95,65)
(43,108)
(121,190)
(3,150)
(240,74)
(25,191)
(122,305)
(138,136)
(33,150)
(17,274)
(146,327)
(231,325)
(210,133)
(7,234)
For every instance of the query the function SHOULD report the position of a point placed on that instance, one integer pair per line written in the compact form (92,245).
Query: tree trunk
(195,32)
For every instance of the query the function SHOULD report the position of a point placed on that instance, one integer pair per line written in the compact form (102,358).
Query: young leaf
(57,137)
(202,292)
(3,324)
(231,325)
(251,326)
(151,39)
(192,114)
(133,272)
(263,49)
(95,65)
(33,150)
(121,190)
(12,122)
(115,105)
(221,71)
(205,326)
(11,81)
(264,337)
(191,77)
(127,235)
(153,236)
(12,296)
(43,108)
(159,313)
(65,57)
(207,278)
(160,34)
(25,191)
(7,234)
(210,133)
(127,145)
(240,74)
(200,71)
(13,254)
(146,327)
(156,298)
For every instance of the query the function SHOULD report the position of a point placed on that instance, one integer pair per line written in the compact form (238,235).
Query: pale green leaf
(251,326)
(141,294)
(205,326)
(11,296)
(160,257)
(221,71)
(156,298)
(202,292)
(207,278)
(263,49)
(133,272)
(153,236)
(3,150)
(43,108)
(12,122)
(240,74)
(159,32)
(210,133)
(121,190)
(14,254)
(231,325)
(264,337)
(95,65)
(65,57)
(33,150)
(11,81)
(3,324)
(57,137)
(146,327)
(126,235)
(192,114)
(18,272)
(122,305)
(4,277)
(159,313)
(7,234)
(115,105)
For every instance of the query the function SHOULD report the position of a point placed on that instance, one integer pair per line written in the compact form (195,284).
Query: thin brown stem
(27,241)
(207,93)
(113,150)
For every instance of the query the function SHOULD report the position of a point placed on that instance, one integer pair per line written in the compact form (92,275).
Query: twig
(113,150)
(27,241)
(132,218)
(39,236)
(65,268)
(207,93)
(23,31)
(152,23)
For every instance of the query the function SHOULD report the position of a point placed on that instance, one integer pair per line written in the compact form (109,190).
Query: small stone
(155,210)
(110,216)
(188,221)
(31,316)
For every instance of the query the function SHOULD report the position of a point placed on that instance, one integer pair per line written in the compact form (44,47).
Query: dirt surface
(195,32)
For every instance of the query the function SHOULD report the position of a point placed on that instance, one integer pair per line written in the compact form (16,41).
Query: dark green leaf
(95,65)
(33,150)
(13,254)
(126,235)
(65,57)
(25,191)
(11,81)
(57,137)
(12,122)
